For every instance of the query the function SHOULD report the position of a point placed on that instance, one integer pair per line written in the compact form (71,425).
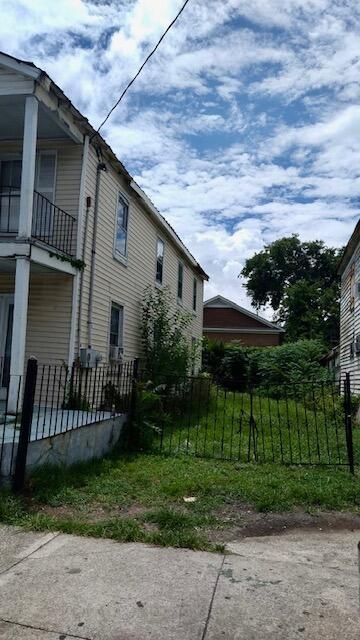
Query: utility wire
(142,66)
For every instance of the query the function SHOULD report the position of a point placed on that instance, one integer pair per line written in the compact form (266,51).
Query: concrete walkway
(58,587)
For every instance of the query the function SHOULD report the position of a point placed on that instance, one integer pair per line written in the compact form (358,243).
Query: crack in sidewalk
(213,598)
(30,554)
(29,626)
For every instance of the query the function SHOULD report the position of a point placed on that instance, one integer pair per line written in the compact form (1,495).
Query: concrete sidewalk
(300,585)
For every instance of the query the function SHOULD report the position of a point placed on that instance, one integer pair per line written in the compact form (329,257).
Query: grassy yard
(211,422)
(141,498)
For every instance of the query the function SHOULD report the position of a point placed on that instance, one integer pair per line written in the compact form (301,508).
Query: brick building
(226,321)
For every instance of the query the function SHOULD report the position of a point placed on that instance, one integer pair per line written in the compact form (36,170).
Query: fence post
(348,422)
(133,396)
(25,425)
(252,426)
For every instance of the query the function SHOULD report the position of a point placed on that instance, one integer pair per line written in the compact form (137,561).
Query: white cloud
(211,128)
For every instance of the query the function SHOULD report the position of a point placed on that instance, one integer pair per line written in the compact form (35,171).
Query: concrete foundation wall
(78,445)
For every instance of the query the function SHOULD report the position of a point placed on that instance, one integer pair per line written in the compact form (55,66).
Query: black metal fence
(307,423)
(50,224)
(61,399)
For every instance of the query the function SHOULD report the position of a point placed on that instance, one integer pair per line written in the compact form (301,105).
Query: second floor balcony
(50,224)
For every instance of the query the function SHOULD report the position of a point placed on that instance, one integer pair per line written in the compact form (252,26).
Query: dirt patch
(241,521)
(96,514)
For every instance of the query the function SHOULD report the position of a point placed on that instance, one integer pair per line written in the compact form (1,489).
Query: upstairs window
(159,260)
(194,294)
(45,174)
(122,217)
(180,281)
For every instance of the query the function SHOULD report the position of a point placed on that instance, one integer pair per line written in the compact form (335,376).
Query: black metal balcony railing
(9,209)
(52,225)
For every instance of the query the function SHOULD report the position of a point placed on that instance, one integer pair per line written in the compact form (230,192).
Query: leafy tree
(166,348)
(299,281)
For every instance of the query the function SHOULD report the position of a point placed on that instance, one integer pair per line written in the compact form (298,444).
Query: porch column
(28,167)
(18,341)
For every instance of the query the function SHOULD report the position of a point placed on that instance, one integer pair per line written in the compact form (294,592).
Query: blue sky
(244,126)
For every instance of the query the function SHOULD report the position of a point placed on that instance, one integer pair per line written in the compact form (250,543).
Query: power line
(142,66)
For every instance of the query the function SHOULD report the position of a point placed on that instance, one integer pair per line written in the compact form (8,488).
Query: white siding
(125,284)
(49,315)
(350,319)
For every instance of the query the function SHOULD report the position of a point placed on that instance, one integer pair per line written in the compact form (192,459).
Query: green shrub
(148,420)
(272,367)
(166,348)
(212,356)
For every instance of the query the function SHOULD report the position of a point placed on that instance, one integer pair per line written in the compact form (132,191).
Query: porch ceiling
(12,120)
(8,266)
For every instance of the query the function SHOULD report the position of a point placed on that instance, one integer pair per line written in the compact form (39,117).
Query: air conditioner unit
(89,358)
(116,354)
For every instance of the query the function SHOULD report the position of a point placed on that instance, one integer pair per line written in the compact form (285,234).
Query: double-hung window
(194,294)
(180,281)
(159,260)
(116,329)
(122,219)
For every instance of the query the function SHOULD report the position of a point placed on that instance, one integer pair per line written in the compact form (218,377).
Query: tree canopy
(299,281)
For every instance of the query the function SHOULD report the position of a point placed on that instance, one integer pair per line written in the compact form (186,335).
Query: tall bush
(271,366)
(167,351)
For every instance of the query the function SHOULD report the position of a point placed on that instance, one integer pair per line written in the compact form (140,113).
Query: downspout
(100,167)
(78,279)
(80,314)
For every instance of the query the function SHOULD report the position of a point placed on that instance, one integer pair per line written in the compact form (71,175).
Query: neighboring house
(65,199)
(226,321)
(349,271)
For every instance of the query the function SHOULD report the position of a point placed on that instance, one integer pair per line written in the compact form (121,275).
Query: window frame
(159,283)
(195,294)
(120,341)
(181,268)
(40,153)
(118,255)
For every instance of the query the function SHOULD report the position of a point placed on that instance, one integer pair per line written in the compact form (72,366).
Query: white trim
(46,152)
(21,298)
(157,283)
(234,330)
(113,303)
(14,249)
(121,257)
(54,109)
(28,167)
(21,67)
(42,256)
(180,299)
(218,302)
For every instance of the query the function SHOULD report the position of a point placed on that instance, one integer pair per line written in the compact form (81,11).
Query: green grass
(140,497)
(309,429)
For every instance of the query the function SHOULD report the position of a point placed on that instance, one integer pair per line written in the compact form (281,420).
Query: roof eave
(84,125)
(349,249)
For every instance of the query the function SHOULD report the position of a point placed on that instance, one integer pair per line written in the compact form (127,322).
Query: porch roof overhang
(38,256)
